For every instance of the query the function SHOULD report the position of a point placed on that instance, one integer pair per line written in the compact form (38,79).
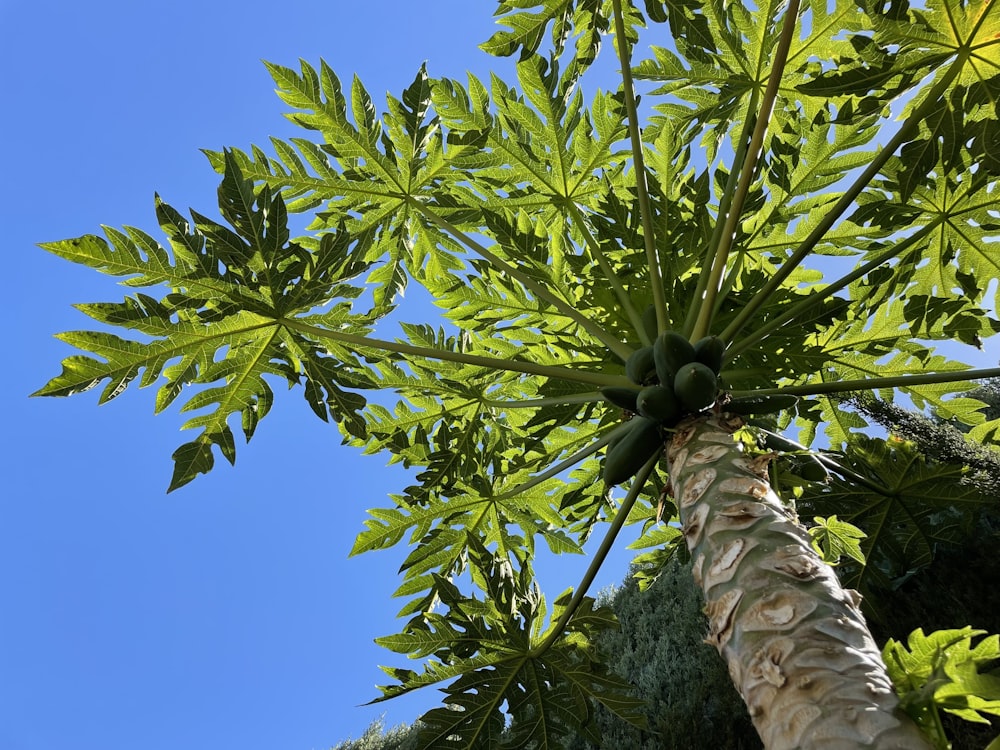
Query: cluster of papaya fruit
(674,378)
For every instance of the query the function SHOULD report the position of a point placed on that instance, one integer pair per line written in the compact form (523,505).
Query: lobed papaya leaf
(905,504)
(221,331)
(492,648)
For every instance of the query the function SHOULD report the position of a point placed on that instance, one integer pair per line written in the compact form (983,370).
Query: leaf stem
(621,349)
(725,203)
(556,630)
(835,465)
(832,463)
(535,403)
(867,384)
(763,296)
(512,365)
(560,467)
(747,172)
(639,166)
(801,308)
(609,273)
(729,282)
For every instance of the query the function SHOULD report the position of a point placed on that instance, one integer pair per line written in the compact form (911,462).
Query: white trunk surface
(796,644)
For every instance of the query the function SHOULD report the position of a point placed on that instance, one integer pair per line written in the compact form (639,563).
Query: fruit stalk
(797,647)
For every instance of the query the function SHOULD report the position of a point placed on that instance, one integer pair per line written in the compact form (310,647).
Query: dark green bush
(376,737)
(660,649)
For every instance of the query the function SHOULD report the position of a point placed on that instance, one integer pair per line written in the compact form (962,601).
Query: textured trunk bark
(796,644)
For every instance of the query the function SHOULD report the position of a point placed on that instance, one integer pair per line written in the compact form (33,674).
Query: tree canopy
(812,186)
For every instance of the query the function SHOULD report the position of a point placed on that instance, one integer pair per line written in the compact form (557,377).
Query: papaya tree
(639,291)
(929,586)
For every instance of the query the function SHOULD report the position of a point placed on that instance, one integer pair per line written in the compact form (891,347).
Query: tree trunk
(797,647)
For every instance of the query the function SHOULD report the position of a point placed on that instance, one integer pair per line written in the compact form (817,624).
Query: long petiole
(727,286)
(555,631)
(624,301)
(725,204)
(868,384)
(639,167)
(535,403)
(621,349)
(568,463)
(846,200)
(498,363)
(836,466)
(747,171)
(801,308)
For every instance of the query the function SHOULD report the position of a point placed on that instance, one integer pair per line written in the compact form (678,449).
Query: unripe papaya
(801,462)
(649,322)
(658,403)
(773,441)
(710,351)
(623,397)
(696,386)
(809,468)
(631,452)
(747,405)
(671,351)
(639,366)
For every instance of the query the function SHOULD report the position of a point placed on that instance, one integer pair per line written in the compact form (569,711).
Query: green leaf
(905,505)
(491,648)
(833,539)
(222,328)
(527,21)
(942,671)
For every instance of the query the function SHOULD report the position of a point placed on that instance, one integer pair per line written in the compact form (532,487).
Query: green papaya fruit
(809,468)
(658,403)
(649,322)
(671,351)
(747,405)
(630,453)
(772,441)
(623,397)
(696,386)
(639,366)
(710,351)
(801,463)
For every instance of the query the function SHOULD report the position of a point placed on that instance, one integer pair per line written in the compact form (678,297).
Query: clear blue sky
(226,615)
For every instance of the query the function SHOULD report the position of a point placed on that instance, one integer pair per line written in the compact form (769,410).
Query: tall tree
(769,239)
